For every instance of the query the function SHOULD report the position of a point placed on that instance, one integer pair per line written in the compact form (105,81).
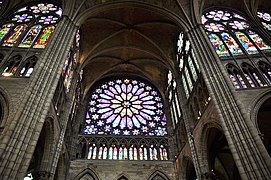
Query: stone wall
(112,170)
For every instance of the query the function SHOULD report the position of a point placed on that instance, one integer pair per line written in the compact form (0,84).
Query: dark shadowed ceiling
(128,41)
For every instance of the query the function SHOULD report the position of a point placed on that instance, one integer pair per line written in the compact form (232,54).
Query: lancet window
(193,84)
(125,120)
(188,65)
(175,109)
(71,63)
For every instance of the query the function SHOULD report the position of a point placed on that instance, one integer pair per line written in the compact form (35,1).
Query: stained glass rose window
(125,107)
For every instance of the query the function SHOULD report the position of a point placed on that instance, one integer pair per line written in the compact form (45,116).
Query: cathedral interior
(135,89)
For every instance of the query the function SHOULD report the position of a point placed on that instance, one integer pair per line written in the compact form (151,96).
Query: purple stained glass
(48,19)
(44,8)
(231,43)
(218,15)
(22,18)
(214,27)
(125,107)
(241,25)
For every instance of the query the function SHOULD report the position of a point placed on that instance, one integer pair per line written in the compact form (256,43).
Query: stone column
(247,149)
(20,137)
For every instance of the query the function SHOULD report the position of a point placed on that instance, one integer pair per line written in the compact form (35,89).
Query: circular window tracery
(125,107)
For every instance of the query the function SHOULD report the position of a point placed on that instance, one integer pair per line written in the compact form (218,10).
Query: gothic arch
(123,177)
(158,175)
(188,170)
(256,104)
(4,108)
(87,173)
(220,160)
(42,157)
(260,110)
(203,159)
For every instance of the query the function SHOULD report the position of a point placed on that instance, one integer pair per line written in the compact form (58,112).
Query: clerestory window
(239,44)
(31,26)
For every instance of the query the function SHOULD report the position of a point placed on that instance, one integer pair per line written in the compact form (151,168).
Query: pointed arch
(11,66)
(123,177)
(158,175)
(236,76)
(4,108)
(252,75)
(27,67)
(87,174)
(188,170)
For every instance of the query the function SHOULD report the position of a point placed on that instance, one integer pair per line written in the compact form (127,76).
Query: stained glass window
(235,77)
(224,28)
(15,35)
(265,18)
(188,65)
(11,66)
(44,37)
(30,36)
(71,62)
(6,28)
(38,20)
(115,152)
(266,70)
(125,107)
(29,176)
(252,75)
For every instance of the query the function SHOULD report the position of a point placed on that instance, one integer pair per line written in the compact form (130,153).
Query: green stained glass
(267,26)
(5,30)
(265,18)
(16,34)
(30,36)
(44,37)
(218,45)
(246,43)
(258,41)
(231,43)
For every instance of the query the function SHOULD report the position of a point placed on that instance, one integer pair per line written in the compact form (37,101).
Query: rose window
(125,107)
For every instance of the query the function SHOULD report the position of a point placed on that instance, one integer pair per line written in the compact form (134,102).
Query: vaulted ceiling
(128,41)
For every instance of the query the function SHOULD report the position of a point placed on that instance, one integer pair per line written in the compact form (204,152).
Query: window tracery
(125,107)
(124,111)
(265,18)
(16,66)
(234,39)
(30,26)
(231,34)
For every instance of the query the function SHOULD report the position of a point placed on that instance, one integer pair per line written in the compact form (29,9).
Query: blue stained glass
(125,107)
(246,43)
(258,41)
(231,43)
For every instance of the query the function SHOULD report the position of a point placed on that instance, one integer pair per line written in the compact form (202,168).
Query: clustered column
(23,132)
(243,140)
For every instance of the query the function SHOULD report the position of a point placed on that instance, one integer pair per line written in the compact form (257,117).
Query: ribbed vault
(128,40)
